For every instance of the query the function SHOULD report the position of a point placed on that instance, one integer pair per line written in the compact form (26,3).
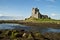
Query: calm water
(19,27)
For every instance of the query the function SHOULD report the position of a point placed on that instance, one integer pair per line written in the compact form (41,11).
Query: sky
(23,8)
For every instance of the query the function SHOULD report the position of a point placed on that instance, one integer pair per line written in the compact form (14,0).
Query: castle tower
(36,13)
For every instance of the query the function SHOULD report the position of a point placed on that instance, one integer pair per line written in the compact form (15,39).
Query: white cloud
(1,14)
(53,14)
(45,13)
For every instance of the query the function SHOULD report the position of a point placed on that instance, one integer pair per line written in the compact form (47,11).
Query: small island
(42,20)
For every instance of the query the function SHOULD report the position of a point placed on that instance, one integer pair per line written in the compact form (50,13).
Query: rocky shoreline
(30,35)
(24,35)
(34,24)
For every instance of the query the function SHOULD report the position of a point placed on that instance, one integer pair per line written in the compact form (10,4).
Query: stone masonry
(37,14)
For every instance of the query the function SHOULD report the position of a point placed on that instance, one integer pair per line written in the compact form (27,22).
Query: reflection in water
(18,27)
(53,30)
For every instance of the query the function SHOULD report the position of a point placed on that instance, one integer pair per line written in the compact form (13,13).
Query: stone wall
(37,14)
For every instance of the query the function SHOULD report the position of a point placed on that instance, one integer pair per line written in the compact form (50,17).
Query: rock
(24,34)
(0,32)
(30,37)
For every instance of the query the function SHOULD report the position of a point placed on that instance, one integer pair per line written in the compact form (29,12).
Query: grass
(30,35)
(35,20)
(43,20)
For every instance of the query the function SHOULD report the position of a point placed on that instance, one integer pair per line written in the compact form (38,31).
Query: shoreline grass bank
(35,22)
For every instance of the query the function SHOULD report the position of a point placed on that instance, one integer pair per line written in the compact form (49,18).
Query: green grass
(43,20)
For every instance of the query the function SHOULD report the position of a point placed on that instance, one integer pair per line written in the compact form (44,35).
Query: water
(19,27)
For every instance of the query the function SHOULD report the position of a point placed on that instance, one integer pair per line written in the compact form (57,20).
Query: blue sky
(23,8)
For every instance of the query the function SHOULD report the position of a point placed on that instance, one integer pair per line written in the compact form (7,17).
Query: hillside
(42,20)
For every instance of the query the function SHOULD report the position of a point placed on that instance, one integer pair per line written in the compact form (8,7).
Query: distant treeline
(11,21)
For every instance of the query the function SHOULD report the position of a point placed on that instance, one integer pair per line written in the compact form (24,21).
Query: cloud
(51,0)
(45,13)
(1,14)
(53,14)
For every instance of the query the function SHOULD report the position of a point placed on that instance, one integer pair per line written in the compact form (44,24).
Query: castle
(37,14)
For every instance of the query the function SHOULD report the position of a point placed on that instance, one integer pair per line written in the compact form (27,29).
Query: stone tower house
(36,13)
